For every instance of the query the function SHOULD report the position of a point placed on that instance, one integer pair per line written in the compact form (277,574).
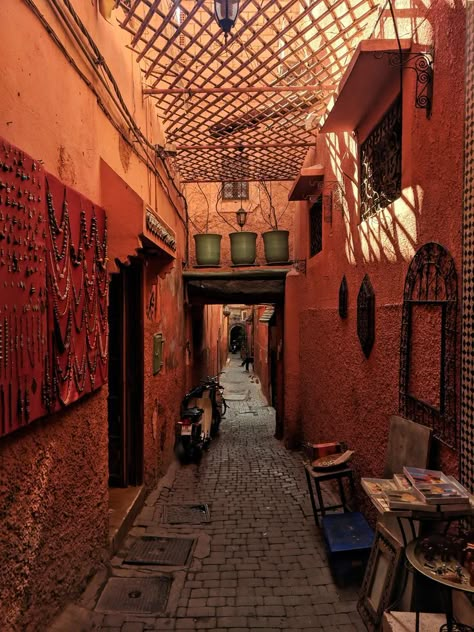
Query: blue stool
(349,540)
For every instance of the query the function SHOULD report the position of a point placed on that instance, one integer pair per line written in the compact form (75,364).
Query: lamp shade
(241,216)
(226,12)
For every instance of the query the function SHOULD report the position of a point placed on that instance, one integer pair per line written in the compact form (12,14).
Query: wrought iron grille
(381,163)
(235,190)
(432,281)
(366,316)
(316,227)
(343,296)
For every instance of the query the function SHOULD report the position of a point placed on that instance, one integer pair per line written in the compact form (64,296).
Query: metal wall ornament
(343,298)
(422,64)
(431,280)
(366,316)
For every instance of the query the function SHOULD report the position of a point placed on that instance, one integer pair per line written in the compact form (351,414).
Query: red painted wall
(260,350)
(54,474)
(332,392)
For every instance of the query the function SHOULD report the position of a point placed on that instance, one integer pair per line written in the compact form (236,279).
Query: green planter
(243,248)
(208,249)
(275,244)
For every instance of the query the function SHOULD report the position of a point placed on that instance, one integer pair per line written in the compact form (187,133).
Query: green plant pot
(243,248)
(275,243)
(208,249)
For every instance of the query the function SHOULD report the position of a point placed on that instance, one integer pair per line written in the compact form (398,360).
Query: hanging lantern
(226,12)
(226,310)
(241,216)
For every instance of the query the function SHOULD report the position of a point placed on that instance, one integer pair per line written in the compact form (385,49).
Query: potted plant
(243,244)
(275,241)
(207,245)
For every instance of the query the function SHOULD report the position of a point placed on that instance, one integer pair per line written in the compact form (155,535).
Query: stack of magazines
(418,489)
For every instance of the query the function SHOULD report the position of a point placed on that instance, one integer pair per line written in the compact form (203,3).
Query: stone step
(405,621)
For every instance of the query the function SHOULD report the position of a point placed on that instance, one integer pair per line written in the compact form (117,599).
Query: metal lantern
(241,216)
(226,310)
(226,12)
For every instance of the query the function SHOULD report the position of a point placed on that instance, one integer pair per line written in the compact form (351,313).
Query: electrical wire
(96,61)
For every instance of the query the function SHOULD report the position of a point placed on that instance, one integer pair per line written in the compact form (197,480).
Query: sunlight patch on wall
(391,235)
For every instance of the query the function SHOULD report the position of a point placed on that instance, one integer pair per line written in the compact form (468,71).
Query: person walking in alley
(247,361)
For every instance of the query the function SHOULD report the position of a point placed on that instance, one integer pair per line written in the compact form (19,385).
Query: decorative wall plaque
(159,230)
(158,344)
(343,297)
(366,316)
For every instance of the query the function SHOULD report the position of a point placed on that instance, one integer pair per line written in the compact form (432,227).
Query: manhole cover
(166,551)
(186,514)
(137,595)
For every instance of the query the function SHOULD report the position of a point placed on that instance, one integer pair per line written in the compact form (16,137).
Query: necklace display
(23,287)
(77,286)
(53,278)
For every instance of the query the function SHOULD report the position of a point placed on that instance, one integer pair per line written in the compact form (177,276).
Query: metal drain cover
(186,514)
(138,595)
(161,551)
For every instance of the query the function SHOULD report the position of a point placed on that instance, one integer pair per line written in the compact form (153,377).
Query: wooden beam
(224,146)
(240,90)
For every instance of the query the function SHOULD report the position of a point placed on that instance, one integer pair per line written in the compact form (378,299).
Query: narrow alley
(259,562)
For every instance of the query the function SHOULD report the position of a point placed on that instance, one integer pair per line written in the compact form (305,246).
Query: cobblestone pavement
(259,564)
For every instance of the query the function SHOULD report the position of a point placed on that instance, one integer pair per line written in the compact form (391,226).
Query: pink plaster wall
(332,392)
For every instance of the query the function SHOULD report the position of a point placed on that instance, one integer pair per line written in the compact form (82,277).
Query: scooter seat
(192,413)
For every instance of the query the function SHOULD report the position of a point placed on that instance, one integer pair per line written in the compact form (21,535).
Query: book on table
(436,488)
(377,486)
(407,499)
(419,476)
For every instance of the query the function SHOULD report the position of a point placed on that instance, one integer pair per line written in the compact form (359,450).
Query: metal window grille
(381,163)
(316,227)
(235,190)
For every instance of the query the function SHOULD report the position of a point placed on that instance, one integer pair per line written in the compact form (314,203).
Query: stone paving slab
(261,562)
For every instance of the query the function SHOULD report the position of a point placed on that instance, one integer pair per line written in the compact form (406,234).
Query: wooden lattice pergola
(245,109)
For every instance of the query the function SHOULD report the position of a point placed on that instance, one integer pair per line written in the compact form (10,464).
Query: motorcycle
(189,439)
(202,410)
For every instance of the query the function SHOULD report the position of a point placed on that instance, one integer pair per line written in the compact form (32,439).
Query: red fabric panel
(77,287)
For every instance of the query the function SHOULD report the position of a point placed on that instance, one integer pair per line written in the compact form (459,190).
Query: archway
(236,337)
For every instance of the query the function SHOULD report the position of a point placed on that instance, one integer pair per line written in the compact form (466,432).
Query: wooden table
(317,477)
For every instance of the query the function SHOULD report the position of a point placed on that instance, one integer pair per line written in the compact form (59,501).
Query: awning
(374,69)
(267,315)
(306,183)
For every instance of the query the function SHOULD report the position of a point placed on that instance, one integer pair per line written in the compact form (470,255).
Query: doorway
(125,401)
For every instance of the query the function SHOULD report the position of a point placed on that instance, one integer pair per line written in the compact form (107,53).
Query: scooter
(189,438)
(202,409)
